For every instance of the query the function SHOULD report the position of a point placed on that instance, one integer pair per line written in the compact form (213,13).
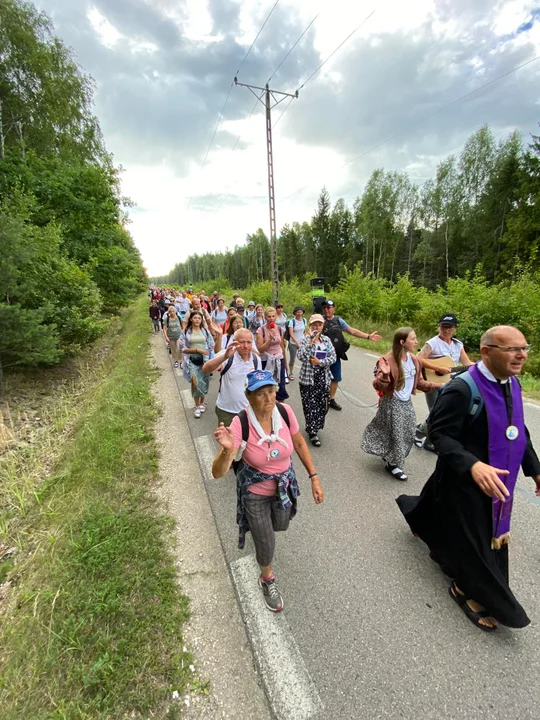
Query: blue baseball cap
(259,378)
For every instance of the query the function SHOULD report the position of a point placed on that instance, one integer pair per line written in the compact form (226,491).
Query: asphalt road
(369,611)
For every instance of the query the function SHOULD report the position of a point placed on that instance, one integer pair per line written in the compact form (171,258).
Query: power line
(229,93)
(419,122)
(234,148)
(257,100)
(445,107)
(257,37)
(305,81)
(287,106)
(338,47)
(325,61)
(292,48)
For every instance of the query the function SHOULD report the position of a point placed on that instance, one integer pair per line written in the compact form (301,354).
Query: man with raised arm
(334,327)
(236,362)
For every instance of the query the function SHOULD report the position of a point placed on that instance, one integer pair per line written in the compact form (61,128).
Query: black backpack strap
(255,361)
(284,414)
(242,415)
(225,369)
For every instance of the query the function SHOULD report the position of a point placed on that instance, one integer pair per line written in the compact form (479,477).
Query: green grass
(93,628)
(530,385)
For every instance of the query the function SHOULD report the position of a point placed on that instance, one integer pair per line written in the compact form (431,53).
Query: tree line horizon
(481,209)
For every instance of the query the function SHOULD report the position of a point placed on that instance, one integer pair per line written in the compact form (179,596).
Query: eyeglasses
(505,348)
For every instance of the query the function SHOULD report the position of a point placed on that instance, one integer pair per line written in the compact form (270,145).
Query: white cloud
(163,69)
(106,32)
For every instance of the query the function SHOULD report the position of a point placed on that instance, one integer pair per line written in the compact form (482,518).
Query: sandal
(471,614)
(315,440)
(396,472)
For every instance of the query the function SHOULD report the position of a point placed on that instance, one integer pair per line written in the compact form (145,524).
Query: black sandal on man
(473,615)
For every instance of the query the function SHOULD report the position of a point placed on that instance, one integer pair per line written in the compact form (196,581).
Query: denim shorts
(335,369)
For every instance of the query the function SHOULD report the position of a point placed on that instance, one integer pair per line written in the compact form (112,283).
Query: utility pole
(271,99)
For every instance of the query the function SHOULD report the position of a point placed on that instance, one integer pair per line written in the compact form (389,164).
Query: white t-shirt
(439,348)
(281,321)
(298,329)
(231,396)
(409,371)
(219,315)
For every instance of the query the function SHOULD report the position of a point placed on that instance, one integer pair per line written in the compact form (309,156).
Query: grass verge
(93,628)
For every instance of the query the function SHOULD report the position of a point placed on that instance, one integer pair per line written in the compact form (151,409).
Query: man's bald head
(505,335)
(504,350)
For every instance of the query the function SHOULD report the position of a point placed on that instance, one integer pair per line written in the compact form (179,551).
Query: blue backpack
(476,402)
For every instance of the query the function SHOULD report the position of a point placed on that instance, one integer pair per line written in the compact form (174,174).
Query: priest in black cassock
(463,513)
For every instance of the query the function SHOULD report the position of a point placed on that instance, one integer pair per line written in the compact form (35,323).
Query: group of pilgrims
(475,427)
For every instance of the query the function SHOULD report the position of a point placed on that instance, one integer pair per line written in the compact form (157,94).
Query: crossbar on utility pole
(271,99)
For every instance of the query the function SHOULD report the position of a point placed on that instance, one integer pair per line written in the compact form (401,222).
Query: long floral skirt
(202,379)
(315,399)
(390,434)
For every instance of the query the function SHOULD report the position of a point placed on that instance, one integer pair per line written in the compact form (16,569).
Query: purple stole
(504,453)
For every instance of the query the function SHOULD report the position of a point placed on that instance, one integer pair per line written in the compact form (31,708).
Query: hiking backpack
(335,334)
(290,326)
(476,402)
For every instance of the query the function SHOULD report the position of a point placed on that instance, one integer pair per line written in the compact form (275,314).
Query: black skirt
(454,518)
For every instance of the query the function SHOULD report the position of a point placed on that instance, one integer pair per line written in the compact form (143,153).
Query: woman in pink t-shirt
(266,483)
(271,346)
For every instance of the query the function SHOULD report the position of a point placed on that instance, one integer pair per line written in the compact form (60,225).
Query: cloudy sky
(163,70)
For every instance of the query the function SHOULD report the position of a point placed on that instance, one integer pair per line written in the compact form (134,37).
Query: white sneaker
(202,407)
(197,412)
(286,380)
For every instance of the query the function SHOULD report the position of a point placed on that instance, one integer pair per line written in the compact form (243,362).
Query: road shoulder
(215,631)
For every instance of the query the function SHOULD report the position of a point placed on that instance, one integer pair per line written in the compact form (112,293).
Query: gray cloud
(390,82)
(164,105)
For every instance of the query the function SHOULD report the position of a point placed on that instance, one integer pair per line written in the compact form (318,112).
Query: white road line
(187,400)
(373,356)
(533,405)
(206,448)
(289,687)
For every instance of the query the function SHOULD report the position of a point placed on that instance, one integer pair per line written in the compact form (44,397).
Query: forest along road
(368,611)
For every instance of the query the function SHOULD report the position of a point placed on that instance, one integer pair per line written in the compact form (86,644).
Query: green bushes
(66,255)
(365,300)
